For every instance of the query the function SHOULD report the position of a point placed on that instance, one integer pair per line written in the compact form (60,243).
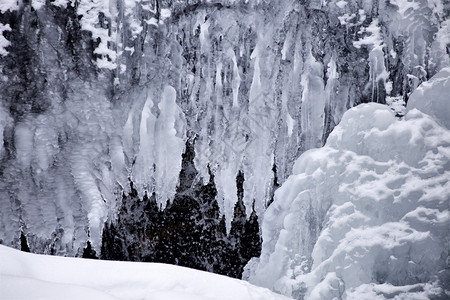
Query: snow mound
(32,276)
(366,216)
(433,98)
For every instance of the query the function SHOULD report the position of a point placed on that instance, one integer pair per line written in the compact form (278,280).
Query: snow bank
(26,276)
(366,216)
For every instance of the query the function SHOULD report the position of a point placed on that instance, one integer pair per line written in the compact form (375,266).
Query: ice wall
(366,216)
(160,146)
(96,92)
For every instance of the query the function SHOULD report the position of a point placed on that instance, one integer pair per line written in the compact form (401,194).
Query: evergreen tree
(221,249)
(88,252)
(150,217)
(239,215)
(189,232)
(251,239)
(275,184)
(23,243)
(188,171)
(112,244)
(222,228)
(237,230)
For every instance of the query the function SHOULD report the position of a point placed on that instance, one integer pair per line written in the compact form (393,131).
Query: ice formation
(366,216)
(96,92)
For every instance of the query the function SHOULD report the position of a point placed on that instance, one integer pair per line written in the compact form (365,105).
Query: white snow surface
(438,91)
(366,216)
(32,276)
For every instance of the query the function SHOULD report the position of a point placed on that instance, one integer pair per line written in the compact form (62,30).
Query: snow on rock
(433,98)
(366,216)
(9,5)
(3,41)
(26,276)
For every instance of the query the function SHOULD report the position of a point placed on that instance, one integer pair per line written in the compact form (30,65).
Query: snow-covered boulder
(366,216)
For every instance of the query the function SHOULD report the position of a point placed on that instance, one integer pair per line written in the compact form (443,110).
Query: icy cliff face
(366,216)
(95,92)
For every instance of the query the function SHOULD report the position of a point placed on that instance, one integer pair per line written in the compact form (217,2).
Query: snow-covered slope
(366,216)
(32,276)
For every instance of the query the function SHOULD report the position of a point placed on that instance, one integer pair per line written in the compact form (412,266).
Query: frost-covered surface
(433,98)
(366,216)
(3,41)
(94,92)
(31,276)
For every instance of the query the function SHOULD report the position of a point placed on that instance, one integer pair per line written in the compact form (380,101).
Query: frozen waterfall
(366,216)
(97,92)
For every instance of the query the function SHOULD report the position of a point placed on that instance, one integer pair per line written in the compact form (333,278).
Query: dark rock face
(47,53)
(188,232)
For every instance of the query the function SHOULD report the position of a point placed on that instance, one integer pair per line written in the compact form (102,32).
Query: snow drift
(32,276)
(366,216)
